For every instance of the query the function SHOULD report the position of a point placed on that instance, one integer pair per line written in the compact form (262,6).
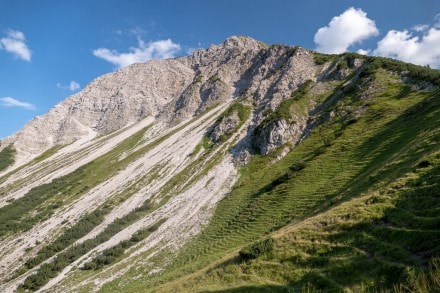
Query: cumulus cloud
(161,49)
(72,86)
(403,45)
(351,27)
(363,52)
(14,43)
(11,102)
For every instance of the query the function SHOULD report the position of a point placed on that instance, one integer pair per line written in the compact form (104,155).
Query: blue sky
(50,49)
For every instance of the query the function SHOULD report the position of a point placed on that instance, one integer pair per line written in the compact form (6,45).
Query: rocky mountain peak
(170,90)
(243,42)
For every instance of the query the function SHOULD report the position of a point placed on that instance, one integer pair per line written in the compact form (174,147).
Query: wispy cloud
(351,27)
(437,21)
(72,86)
(161,49)
(14,43)
(11,102)
(420,27)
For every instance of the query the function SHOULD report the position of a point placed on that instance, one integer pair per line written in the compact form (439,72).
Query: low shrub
(258,248)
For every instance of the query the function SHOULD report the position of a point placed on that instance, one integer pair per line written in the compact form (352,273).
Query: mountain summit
(169,90)
(242,165)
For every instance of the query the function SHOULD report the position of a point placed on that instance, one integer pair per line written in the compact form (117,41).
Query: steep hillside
(244,167)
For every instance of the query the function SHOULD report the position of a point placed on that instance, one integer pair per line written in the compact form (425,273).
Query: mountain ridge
(117,99)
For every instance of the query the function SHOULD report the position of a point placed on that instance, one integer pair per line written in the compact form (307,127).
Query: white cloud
(162,49)
(420,27)
(404,46)
(363,52)
(344,30)
(437,21)
(72,86)
(11,102)
(14,43)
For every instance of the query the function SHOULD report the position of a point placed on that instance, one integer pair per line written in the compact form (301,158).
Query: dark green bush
(243,113)
(6,157)
(322,58)
(297,166)
(71,254)
(302,90)
(111,254)
(282,112)
(255,250)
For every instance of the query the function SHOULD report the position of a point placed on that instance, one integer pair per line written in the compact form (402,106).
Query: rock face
(276,134)
(107,104)
(174,90)
(224,126)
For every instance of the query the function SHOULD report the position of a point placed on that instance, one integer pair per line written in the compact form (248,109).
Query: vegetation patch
(255,250)
(198,79)
(215,78)
(51,269)
(242,111)
(37,204)
(303,90)
(321,59)
(283,112)
(6,157)
(110,255)
(417,73)
(47,154)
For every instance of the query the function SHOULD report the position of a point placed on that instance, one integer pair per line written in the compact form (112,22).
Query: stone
(226,125)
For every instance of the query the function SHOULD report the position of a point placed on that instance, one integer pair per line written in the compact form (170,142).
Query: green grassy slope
(6,157)
(354,207)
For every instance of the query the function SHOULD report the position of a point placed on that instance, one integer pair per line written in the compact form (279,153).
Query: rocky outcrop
(224,126)
(200,96)
(277,133)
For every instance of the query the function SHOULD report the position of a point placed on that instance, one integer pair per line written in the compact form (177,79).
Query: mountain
(243,167)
